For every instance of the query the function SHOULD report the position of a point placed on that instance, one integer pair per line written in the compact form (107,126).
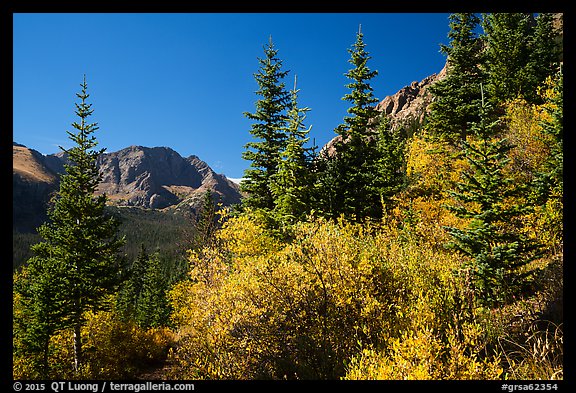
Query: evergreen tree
(347,175)
(544,56)
(206,222)
(270,140)
(142,295)
(508,37)
(76,266)
(389,166)
(357,126)
(39,311)
(497,249)
(129,293)
(291,185)
(457,96)
(152,308)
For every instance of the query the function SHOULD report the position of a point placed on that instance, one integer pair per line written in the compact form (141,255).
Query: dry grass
(26,165)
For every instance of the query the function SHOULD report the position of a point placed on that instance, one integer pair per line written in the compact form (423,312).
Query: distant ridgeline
(168,187)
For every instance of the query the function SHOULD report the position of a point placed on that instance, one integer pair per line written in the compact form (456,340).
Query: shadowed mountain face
(33,183)
(154,178)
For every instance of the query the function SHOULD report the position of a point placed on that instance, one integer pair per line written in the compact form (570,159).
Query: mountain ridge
(138,176)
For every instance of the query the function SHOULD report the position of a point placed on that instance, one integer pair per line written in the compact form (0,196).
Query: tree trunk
(45,364)
(77,347)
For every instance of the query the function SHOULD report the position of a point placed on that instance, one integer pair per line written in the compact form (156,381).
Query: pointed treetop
(295,78)
(359,28)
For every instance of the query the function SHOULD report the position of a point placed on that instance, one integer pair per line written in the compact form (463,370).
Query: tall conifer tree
(497,249)
(457,96)
(508,37)
(76,265)
(268,131)
(390,164)
(291,185)
(544,56)
(348,174)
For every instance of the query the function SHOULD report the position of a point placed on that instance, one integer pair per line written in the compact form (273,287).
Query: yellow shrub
(524,131)
(303,309)
(430,166)
(422,355)
(111,349)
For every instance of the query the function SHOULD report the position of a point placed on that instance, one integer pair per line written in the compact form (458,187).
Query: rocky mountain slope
(159,177)
(156,177)
(406,108)
(32,184)
(411,103)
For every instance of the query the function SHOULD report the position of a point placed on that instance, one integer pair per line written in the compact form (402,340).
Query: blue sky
(185,80)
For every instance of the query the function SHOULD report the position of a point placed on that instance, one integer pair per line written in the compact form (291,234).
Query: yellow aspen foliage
(430,166)
(423,352)
(304,309)
(112,350)
(524,131)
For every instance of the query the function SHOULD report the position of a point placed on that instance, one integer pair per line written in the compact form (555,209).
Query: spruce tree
(206,222)
(129,292)
(508,37)
(497,249)
(270,140)
(390,163)
(152,308)
(457,96)
(544,56)
(78,254)
(291,185)
(347,175)
(39,311)
(142,296)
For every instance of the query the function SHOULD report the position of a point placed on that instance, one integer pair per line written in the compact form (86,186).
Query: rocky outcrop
(159,177)
(405,108)
(33,183)
(411,103)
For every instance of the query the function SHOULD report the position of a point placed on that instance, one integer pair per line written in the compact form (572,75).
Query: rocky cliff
(412,102)
(159,177)
(405,108)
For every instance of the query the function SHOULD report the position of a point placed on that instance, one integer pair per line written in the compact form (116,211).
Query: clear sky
(184,80)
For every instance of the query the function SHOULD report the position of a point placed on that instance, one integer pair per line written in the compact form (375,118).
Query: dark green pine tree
(129,292)
(390,163)
(79,253)
(544,56)
(357,127)
(142,296)
(291,185)
(508,37)
(347,175)
(153,309)
(267,131)
(206,222)
(498,251)
(457,96)
(40,312)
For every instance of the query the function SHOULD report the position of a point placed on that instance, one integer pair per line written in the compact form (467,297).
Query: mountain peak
(150,177)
